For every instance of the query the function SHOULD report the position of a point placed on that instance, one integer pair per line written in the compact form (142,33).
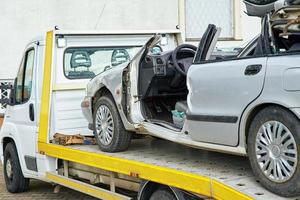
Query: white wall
(22,20)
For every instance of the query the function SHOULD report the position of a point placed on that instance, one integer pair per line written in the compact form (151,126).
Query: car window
(249,49)
(24,78)
(87,62)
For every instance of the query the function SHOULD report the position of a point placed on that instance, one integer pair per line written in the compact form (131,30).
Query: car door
(22,113)
(133,99)
(219,91)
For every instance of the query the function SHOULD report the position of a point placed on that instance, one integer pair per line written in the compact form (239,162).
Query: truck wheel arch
(147,188)
(7,140)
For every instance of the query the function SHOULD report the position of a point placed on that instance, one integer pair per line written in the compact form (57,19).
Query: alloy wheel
(104,125)
(276,151)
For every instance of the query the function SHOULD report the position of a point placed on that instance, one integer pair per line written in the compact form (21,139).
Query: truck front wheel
(13,175)
(109,130)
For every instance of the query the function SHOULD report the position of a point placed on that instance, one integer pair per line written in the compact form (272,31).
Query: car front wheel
(273,149)
(109,130)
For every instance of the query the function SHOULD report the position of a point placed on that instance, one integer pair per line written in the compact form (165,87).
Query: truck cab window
(87,62)
(24,78)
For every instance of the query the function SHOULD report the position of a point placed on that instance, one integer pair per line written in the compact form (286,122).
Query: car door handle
(252,70)
(31,112)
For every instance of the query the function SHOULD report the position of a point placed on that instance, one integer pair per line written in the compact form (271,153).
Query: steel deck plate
(233,171)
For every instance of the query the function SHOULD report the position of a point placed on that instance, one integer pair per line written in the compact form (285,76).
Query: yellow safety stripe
(45,99)
(222,191)
(85,188)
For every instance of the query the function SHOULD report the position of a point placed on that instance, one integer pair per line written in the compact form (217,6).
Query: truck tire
(109,130)
(13,175)
(162,194)
(274,150)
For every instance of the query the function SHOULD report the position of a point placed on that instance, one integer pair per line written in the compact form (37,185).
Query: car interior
(162,76)
(161,85)
(162,79)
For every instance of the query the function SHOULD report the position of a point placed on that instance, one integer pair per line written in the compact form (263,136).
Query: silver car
(246,104)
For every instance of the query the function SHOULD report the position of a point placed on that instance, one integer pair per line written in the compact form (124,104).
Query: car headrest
(119,56)
(80,59)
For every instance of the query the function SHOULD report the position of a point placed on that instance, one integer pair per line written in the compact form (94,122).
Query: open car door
(220,90)
(136,85)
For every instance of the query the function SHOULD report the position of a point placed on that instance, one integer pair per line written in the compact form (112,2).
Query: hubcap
(104,125)
(276,151)
(8,168)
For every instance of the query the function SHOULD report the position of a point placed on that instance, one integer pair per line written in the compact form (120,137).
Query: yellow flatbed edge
(194,183)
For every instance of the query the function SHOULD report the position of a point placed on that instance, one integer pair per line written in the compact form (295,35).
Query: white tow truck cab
(45,100)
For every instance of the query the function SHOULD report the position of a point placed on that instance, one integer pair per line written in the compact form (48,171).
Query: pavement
(40,190)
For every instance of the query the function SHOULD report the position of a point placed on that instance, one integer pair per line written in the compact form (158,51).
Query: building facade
(23,20)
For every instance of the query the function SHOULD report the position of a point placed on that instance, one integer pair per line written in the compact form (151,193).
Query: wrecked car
(247,104)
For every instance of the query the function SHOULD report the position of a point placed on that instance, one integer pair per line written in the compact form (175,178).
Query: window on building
(200,13)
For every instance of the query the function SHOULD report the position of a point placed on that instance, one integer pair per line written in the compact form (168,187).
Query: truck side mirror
(12,94)
(7,94)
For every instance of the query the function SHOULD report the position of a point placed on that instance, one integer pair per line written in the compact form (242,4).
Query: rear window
(87,62)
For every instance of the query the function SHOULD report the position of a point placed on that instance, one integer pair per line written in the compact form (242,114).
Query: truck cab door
(21,115)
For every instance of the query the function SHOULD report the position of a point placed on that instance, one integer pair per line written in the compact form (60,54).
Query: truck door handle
(31,112)
(252,70)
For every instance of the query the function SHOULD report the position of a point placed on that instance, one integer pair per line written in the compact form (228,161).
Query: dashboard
(161,64)
(158,76)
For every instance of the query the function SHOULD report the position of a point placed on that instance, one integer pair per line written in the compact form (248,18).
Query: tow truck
(45,100)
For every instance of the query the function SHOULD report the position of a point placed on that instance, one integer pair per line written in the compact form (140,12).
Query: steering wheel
(182,65)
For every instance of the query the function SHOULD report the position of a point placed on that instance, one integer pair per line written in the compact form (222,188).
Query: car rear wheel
(13,175)
(109,130)
(273,149)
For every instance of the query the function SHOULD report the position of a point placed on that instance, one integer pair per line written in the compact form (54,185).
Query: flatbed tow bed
(210,174)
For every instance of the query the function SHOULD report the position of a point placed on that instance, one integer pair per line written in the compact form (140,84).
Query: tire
(162,194)
(120,138)
(279,124)
(14,178)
